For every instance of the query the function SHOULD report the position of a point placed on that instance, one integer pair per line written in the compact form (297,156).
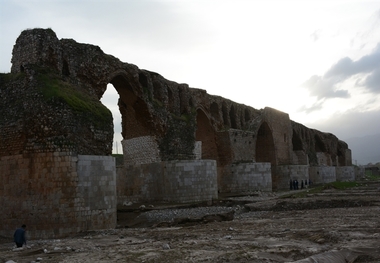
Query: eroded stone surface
(171,114)
(180,144)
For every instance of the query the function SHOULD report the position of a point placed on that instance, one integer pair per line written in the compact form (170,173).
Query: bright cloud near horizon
(319,61)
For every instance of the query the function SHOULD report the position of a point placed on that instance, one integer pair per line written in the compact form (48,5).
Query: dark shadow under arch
(232,115)
(226,119)
(265,151)
(206,134)
(296,141)
(319,145)
(136,119)
(214,110)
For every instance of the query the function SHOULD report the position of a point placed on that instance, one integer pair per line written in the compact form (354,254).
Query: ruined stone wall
(242,145)
(246,178)
(322,174)
(40,113)
(300,158)
(280,125)
(141,150)
(190,181)
(97,186)
(359,172)
(51,104)
(225,154)
(316,144)
(33,49)
(139,183)
(56,194)
(345,159)
(198,150)
(324,159)
(345,173)
(153,106)
(285,173)
(172,181)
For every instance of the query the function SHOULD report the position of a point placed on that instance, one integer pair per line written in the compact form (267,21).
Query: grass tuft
(55,89)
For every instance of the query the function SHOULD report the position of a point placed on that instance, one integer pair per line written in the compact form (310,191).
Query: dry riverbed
(298,226)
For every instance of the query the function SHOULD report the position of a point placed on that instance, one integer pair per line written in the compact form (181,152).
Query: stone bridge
(180,144)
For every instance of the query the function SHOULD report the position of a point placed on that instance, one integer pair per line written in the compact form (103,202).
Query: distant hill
(365,149)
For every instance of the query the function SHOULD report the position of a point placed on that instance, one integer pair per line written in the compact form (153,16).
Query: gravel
(168,215)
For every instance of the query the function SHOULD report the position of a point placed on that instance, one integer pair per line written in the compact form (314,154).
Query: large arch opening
(136,133)
(299,154)
(341,157)
(205,133)
(110,99)
(319,145)
(265,151)
(296,141)
(135,115)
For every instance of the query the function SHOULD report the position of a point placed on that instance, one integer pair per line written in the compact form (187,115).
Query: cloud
(315,107)
(372,82)
(327,86)
(352,123)
(346,68)
(324,88)
(316,35)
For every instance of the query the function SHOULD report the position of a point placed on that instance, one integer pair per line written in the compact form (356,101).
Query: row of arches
(264,150)
(333,154)
(137,121)
(132,119)
(133,113)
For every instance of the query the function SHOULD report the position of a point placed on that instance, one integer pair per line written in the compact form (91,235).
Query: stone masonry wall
(173,181)
(190,181)
(324,159)
(245,178)
(359,172)
(33,48)
(300,157)
(97,186)
(285,173)
(243,145)
(198,150)
(149,104)
(345,173)
(33,122)
(346,159)
(47,193)
(322,174)
(141,150)
(139,182)
(280,125)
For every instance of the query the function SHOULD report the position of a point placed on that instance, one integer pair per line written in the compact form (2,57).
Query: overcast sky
(319,61)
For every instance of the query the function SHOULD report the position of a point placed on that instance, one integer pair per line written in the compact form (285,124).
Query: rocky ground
(310,225)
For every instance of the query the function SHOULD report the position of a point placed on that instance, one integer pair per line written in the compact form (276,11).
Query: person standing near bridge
(19,236)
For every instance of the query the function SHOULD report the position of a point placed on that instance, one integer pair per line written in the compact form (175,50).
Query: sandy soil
(330,226)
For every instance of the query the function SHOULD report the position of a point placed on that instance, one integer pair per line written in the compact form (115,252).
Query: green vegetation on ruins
(55,89)
(6,77)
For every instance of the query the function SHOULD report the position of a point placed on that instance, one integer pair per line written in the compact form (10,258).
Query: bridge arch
(265,150)
(206,134)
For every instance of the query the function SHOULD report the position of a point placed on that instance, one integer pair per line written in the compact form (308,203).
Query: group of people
(293,184)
